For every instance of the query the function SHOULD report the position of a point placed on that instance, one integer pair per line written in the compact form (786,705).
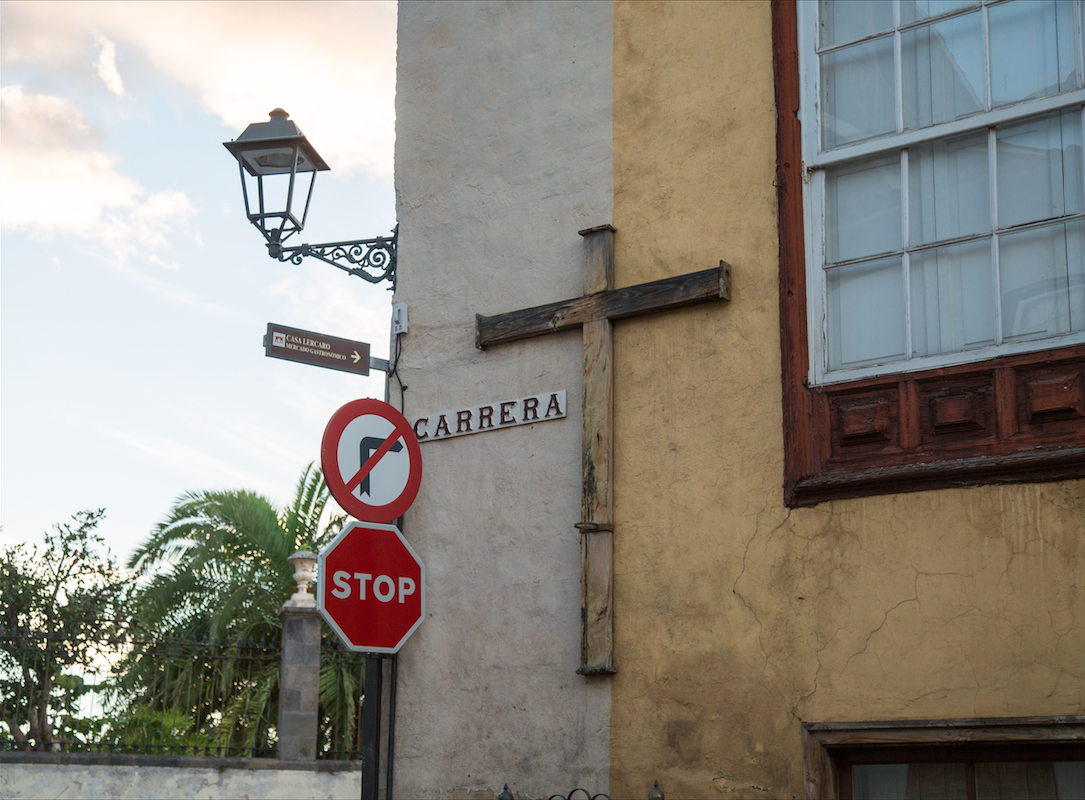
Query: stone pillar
(299,681)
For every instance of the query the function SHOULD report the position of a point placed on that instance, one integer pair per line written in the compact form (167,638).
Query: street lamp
(278,151)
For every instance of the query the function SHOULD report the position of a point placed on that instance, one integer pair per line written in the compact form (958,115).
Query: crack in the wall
(804,595)
(742,572)
(885,617)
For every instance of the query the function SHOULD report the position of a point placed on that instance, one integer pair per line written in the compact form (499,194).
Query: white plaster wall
(149,783)
(503,152)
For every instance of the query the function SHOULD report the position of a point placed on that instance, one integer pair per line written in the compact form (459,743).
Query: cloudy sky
(133,293)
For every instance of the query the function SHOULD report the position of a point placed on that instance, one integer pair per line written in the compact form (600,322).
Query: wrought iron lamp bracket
(372,260)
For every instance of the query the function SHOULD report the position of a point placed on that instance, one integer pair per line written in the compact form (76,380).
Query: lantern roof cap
(279,133)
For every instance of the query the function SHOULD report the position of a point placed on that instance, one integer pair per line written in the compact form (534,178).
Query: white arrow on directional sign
(371,460)
(318,349)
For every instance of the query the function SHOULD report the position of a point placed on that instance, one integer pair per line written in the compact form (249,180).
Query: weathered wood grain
(597,492)
(598,434)
(594,313)
(597,603)
(646,298)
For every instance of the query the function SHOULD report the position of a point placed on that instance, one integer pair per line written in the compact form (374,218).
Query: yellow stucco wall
(737,618)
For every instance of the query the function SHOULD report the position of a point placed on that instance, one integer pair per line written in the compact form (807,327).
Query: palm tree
(216,569)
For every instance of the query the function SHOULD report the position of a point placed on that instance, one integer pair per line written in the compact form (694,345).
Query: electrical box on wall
(399,318)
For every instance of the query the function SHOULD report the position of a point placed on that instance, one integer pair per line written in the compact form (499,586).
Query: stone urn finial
(303,562)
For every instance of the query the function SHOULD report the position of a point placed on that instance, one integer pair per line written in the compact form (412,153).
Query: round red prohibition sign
(371,460)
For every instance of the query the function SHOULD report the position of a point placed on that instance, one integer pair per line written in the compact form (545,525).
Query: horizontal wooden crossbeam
(631,301)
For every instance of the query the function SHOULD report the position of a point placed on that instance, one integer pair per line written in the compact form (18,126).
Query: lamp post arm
(372,260)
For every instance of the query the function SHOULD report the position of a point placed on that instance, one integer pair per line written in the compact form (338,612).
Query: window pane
(1070,778)
(915,10)
(879,781)
(936,782)
(948,192)
(1039,169)
(858,94)
(943,71)
(842,22)
(866,313)
(952,299)
(1033,50)
(863,209)
(1041,273)
(1022,780)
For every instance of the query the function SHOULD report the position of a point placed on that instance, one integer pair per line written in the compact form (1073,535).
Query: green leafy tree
(62,609)
(216,569)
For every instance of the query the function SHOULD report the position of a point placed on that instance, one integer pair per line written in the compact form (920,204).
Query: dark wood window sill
(1006,420)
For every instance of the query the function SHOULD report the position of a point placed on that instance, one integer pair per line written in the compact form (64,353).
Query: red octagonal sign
(372,587)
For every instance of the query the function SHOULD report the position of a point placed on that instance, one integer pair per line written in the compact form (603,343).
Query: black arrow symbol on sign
(369,444)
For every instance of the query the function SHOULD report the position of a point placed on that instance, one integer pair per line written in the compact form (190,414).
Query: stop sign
(372,587)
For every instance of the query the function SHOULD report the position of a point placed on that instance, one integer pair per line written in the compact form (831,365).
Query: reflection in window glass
(909,782)
(948,189)
(882,781)
(1033,50)
(863,209)
(842,23)
(1041,273)
(915,10)
(952,298)
(1024,779)
(859,94)
(866,316)
(942,71)
(1021,780)
(1039,169)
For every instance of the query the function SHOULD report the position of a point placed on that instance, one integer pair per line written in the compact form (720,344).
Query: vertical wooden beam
(594,311)
(597,490)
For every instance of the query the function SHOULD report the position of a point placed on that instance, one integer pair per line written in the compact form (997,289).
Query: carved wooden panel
(957,411)
(865,423)
(1050,397)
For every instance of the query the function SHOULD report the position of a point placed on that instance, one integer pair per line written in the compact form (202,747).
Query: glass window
(943,71)
(1034,50)
(990,780)
(943,140)
(858,92)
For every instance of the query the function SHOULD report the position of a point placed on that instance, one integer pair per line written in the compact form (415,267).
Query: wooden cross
(594,312)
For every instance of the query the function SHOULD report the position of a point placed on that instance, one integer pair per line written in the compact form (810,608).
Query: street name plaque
(317,349)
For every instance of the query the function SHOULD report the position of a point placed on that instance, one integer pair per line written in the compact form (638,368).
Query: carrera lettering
(554,406)
(423,421)
(490,416)
(463,421)
(506,417)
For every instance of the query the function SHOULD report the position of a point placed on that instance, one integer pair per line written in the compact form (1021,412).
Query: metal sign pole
(371,728)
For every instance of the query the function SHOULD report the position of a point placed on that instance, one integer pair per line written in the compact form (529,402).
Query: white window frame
(816,162)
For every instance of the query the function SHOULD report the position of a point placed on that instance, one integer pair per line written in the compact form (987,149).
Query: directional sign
(371,460)
(372,587)
(318,349)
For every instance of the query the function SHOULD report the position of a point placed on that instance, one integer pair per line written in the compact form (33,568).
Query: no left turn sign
(371,460)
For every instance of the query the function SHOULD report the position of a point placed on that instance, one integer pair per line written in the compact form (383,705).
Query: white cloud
(55,173)
(107,67)
(330,64)
(56,177)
